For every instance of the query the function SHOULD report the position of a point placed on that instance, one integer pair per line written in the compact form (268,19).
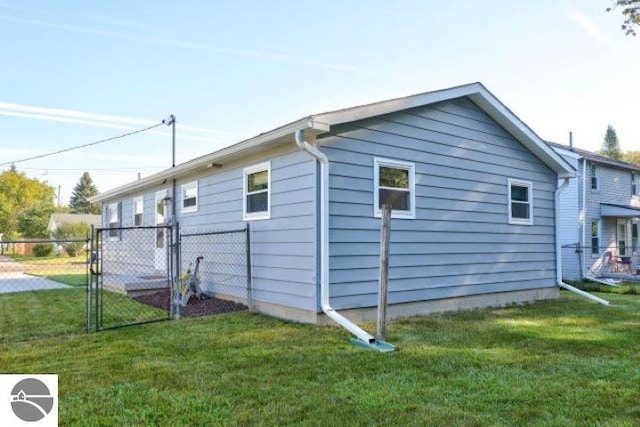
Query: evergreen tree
(611,145)
(79,202)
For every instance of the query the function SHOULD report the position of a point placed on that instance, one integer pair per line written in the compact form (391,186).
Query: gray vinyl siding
(283,250)
(614,187)
(460,242)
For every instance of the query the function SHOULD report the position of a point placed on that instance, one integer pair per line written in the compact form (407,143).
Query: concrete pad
(20,282)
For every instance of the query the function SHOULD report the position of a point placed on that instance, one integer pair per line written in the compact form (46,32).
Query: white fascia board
(392,105)
(263,139)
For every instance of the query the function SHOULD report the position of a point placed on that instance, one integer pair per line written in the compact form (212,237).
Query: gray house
(600,215)
(473,192)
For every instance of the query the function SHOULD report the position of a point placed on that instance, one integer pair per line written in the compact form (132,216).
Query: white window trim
(187,186)
(520,183)
(411,167)
(252,216)
(136,200)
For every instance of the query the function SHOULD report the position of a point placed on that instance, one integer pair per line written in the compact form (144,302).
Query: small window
(634,185)
(138,210)
(593,173)
(595,238)
(520,202)
(394,184)
(190,197)
(634,237)
(113,218)
(257,193)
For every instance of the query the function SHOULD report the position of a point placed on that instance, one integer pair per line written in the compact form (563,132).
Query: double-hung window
(138,210)
(190,197)
(394,185)
(113,218)
(520,202)
(595,238)
(257,192)
(593,173)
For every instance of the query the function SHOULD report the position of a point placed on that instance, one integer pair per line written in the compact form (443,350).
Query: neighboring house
(600,215)
(472,189)
(57,219)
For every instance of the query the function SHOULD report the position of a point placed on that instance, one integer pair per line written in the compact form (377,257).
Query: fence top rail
(36,241)
(142,227)
(209,233)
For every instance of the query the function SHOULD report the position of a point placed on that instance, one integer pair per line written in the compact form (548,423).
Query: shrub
(43,250)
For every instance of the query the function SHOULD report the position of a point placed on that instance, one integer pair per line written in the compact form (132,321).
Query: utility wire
(162,123)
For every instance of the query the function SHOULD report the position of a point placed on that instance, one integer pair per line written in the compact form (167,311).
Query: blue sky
(75,71)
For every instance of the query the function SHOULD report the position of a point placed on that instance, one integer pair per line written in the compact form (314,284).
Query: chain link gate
(132,276)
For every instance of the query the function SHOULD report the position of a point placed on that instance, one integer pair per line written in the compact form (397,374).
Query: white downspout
(559,250)
(324,242)
(584,218)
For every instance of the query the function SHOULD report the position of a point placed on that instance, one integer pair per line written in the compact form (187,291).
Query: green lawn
(68,270)
(36,314)
(565,362)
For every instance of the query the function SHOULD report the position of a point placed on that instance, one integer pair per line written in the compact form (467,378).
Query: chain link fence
(602,261)
(43,288)
(132,270)
(215,271)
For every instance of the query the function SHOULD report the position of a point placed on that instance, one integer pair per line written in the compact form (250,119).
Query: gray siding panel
(460,242)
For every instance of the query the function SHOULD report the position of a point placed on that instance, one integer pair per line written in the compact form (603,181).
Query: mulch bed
(194,308)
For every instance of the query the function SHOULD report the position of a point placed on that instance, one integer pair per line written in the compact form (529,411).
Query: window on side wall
(114,213)
(520,202)
(595,238)
(634,237)
(190,197)
(394,185)
(138,211)
(257,192)
(593,173)
(634,184)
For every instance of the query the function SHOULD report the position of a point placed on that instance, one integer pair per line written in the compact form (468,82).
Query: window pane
(520,210)
(595,243)
(399,200)
(519,193)
(189,202)
(394,177)
(137,219)
(190,192)
(594,229)
(257,202)
(257,181)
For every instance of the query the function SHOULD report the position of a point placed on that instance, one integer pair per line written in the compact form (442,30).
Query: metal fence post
(177,272)
(249,290)
(385,230)
(89,276)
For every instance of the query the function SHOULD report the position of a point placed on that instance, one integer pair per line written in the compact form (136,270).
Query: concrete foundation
(369,314)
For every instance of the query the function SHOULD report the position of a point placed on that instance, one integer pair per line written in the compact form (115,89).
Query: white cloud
(591,29)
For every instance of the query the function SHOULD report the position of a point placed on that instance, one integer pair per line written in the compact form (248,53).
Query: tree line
(26,205)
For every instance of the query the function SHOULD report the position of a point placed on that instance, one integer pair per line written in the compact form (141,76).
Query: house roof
(619,211)
(591,156)
(73,218)
(321,123)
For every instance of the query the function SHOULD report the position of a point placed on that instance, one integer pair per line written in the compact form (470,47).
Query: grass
(35,314)
(565,362)
(68,270)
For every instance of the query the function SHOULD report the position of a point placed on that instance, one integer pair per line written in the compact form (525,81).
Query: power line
(163,122)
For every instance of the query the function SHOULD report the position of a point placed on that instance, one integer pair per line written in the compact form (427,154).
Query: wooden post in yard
(383,283)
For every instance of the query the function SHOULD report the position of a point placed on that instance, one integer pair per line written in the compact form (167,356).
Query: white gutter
(324,242)
(559,250)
